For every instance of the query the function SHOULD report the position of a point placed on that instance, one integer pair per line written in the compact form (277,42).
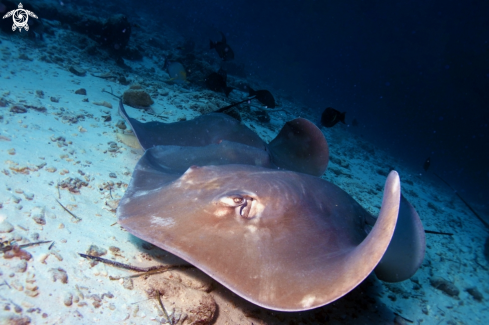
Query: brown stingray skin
(200,131)
(300,146)
(302,246)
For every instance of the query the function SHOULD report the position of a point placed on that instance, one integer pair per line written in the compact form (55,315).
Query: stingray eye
(234,200)
(241,204)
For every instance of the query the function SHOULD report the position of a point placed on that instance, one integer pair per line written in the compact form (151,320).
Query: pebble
(445,286)
(39,219)
(40,93)
(14,319)
(18,109)
(127,284)
(77,71)
(475,293)
(94,250)
(68,299)
(121,125)
(6,227)
(29,196)
(398,320)
(20,267)
(137,98)
(81,91)
(31,293)
(59,274)
(16,285)
(103,103)
(42,258)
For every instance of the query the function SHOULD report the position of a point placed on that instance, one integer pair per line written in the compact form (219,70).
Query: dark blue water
(415,74)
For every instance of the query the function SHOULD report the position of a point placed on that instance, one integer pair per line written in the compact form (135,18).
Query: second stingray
(300,146)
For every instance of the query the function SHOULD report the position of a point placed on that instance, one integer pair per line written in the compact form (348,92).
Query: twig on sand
(59,193)
(72,214)
(163,307)
(438,232)
(144,270)
(9,247)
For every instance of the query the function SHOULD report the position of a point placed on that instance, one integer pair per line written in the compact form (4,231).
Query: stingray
(280,239)
(300,146)
(255,216)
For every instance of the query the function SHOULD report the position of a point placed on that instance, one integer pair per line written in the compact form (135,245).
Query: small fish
(330,117)
(216,81)
(223,49)
(426,164)
(176,71)
(264,96)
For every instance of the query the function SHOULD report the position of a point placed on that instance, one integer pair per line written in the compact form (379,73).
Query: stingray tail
(301,147)
(406,249)
(122,111)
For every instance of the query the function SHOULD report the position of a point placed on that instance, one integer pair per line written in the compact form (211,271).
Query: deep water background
(415,74)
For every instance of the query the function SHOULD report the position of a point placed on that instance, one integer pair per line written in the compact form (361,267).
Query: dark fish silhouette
(264,96)
(354,122)
(426,164)
(330,117)
(216,81)
(223,49)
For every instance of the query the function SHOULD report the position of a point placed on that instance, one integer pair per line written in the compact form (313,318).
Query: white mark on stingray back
(307,301)
(162,222)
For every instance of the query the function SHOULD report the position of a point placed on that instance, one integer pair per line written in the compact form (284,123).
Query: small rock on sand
(81,91)
(137,98)
(6,227)
(77,71)
(445,286)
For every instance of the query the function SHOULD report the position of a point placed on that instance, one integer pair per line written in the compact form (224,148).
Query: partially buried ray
(300,146)
(280,239)
(201,131)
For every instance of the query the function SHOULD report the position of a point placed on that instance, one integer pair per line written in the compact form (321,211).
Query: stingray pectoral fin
(368,254)
(135,125)
(147,133)
(339,276)
(301,147)
(123,113)
(406,250)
